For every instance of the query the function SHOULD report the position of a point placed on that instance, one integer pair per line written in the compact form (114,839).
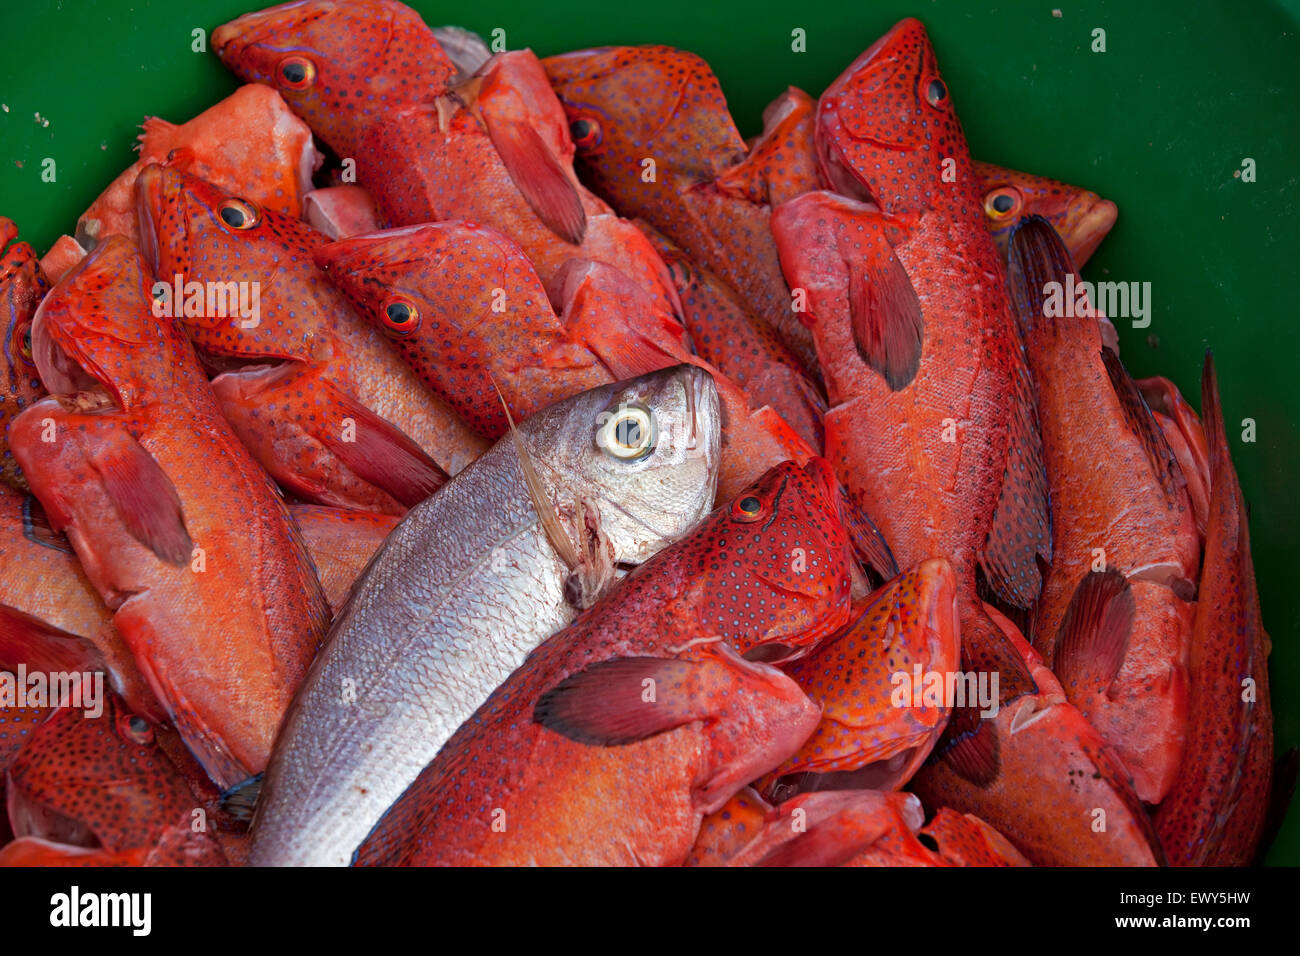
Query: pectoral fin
(888,328)
(539,175)
(140,492)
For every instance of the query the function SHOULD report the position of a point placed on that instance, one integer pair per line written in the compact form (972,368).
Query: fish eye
(748,508)
(936,94)
(239,214)
(135,728)
(585,132)
(1003,203)
(296,73)
(627,433)
(401,316)
(26,347)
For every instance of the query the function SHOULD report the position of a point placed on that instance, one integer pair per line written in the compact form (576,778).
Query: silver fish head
(644,451)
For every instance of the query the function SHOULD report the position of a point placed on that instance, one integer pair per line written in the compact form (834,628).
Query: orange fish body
(1215,812)
(340,420)
(102,782)
(1114,617)
(876,730)
(249,143)
(184,537)
(577,767)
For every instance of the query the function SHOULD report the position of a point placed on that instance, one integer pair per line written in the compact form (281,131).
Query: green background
(1158,123)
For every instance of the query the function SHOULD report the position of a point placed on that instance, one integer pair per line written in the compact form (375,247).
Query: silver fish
(464,48)
(465,587)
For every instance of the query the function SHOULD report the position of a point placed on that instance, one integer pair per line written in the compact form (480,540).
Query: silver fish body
(463,589)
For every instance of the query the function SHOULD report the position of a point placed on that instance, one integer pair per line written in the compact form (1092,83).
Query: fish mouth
(1090,228)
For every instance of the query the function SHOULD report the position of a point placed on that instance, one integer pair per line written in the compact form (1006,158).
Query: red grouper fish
(933,430)
(1216,809)
(101,782)
(619,733)
(22,285)
(336,418)
(653,135)
(878,723)
(1114,618)
(495,148)
(184,537)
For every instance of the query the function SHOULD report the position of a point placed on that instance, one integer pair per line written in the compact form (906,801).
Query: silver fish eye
(627,432)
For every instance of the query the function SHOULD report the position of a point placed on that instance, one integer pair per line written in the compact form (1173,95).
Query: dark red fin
(1037,256)
(627,699)
(1095,630)
(40,646)
(539,175)
(888,328)
(868,543)
(1284,780)
(973,753)
(143,496)
(382,454)
(1021,530)
(37,528)
(1164,463)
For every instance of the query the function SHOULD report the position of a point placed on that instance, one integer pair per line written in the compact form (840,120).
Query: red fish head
(626,104)
(96,781)
(252,256)
(95,328)
(337,64)
(1080,216)
(776,560)
(886,125)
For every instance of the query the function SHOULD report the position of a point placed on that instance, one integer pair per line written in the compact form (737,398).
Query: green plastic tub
(1161,122)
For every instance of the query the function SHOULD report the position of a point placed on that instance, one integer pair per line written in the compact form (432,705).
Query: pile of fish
(429,455)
